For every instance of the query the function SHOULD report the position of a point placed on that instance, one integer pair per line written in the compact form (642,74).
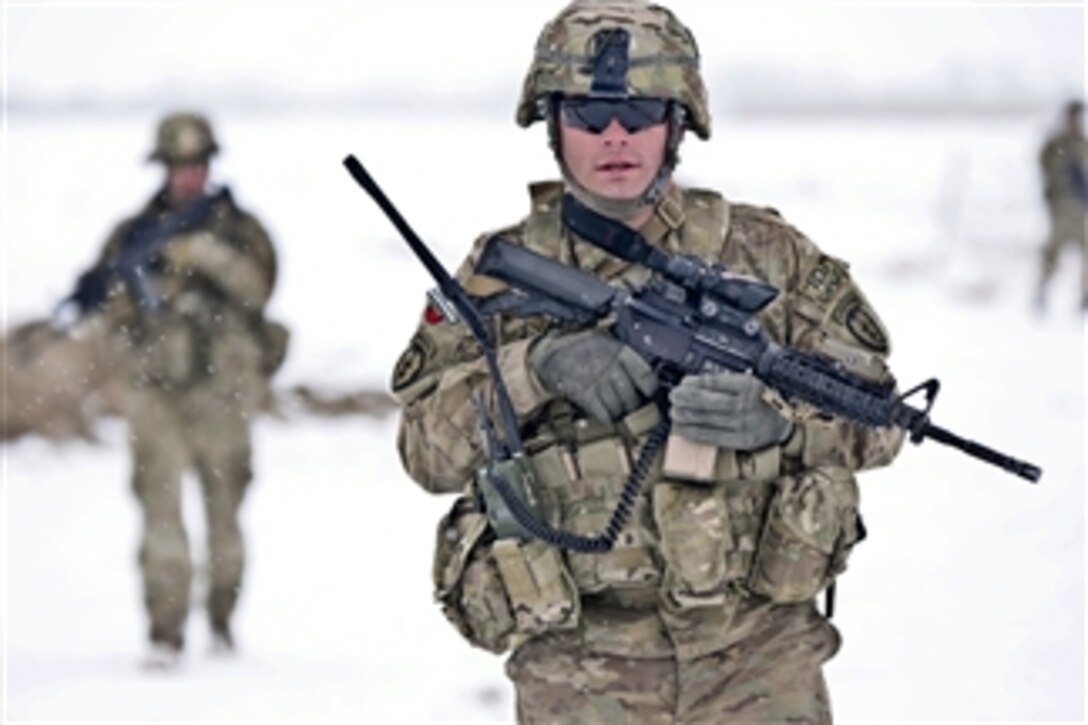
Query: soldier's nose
(614,133)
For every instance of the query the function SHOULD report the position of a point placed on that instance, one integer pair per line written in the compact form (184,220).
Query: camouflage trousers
(204,429)
(770,674)
(1067,228)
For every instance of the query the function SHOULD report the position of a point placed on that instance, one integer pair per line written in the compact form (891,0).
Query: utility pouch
(274,338)
(467,582)
(810,529)
(603,467)
(165,353)
(746,502)
(538,585)
(693,523)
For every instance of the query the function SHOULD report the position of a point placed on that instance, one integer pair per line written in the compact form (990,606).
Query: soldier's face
(186,182)
(615,163)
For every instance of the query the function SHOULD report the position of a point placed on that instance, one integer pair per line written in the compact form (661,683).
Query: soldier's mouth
(614,166)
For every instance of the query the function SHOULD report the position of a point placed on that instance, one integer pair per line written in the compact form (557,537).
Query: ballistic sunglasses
(594,114)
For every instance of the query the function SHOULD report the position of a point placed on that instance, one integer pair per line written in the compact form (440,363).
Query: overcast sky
(57,49)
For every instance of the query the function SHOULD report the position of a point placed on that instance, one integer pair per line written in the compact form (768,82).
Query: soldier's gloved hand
(200,248)
(595,371)
(726,409)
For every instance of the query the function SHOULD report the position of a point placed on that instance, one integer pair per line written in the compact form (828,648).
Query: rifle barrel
(1023,469)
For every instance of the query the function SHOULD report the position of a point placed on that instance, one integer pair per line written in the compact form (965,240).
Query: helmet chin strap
(624,207)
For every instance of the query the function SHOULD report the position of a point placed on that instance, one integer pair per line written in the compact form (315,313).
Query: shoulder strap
(702,226)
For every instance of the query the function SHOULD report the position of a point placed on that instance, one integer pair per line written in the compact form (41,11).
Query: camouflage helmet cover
(183,138)
(664,59)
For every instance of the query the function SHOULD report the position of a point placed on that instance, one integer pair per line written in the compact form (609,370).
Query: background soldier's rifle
(137,257)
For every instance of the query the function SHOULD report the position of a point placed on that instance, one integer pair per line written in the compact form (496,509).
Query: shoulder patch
(411,363)
(825,280)
(854,315)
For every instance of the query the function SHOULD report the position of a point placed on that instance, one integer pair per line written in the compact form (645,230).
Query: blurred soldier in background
(181,287)
(704,610)
(1064,162)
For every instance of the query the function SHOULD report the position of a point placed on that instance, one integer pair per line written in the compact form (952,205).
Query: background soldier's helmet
(183,138)
(662,59)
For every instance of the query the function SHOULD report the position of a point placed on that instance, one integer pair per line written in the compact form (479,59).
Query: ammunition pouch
(499,592)
(709,525)
(734,523)
(812,525)
(538,585)
(580,467)
(466,580)
(693,522)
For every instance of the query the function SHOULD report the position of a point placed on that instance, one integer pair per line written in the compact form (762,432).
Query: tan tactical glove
(728,410)
(190,250)
(595,371)
(237,275)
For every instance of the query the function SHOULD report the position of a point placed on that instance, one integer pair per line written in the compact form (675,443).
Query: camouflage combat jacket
(711,525)
(213,283)
(1064,160)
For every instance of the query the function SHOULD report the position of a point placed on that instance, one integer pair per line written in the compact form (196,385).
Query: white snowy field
(966,603)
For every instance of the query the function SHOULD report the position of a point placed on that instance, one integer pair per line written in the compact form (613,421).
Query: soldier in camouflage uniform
(704,610)
(195,357)
(1064,162)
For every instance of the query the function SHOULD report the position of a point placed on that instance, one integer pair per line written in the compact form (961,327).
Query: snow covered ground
(966,603)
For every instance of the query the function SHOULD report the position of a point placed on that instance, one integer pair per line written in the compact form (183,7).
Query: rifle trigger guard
(931,388)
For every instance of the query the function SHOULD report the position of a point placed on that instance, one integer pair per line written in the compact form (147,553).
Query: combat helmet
(182,138)
(661,57)
(617,49)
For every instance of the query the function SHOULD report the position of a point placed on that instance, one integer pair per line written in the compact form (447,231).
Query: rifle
(695,317)
(692,317)
(138,255)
